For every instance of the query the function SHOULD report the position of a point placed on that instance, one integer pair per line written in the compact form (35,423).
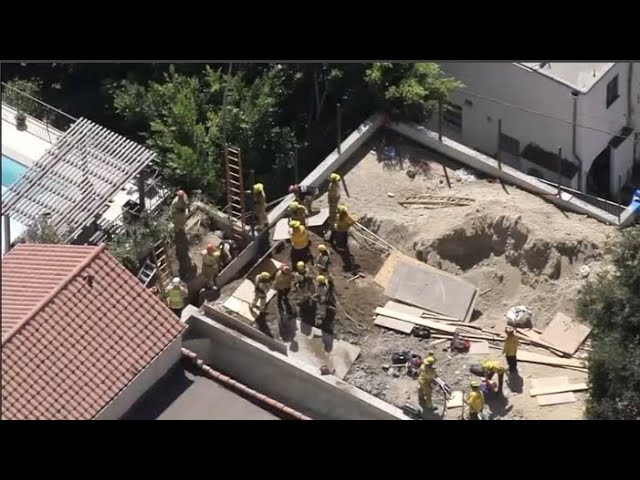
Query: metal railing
(608,206)
(46,122)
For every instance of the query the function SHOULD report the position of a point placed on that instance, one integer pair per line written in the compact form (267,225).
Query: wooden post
(141,197)
(7,233)
(499,155)
(440,121)
(559,169)
(339,127)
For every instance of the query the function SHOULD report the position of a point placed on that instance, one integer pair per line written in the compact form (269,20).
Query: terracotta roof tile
(68,356)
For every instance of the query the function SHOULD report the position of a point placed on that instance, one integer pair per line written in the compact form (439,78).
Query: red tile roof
(77,327)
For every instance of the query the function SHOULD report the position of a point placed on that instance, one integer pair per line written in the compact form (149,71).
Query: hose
(358,325)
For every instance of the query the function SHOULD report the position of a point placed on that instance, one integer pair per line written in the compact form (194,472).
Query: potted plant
(21,121)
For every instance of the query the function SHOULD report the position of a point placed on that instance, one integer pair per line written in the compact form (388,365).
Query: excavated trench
(482,238)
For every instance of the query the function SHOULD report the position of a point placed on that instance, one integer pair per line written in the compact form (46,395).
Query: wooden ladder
(235,191)
(160,254)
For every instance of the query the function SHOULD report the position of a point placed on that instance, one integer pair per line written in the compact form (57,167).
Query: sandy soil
(515,247)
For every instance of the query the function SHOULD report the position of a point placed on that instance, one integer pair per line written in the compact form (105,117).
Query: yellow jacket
(475,400)
(493,366)
(511,346)
(343,222)
(282,280)
(427,375)
(299,237)
(334,191)
(260,200)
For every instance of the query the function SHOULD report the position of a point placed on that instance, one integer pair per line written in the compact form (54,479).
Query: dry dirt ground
(514,246)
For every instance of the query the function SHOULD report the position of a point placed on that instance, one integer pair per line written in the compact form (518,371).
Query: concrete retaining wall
(142,382)
(490,166)
(322,397)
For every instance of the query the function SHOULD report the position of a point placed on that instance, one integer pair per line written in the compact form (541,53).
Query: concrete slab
(316,348)
(319,218)
(240,307)
(430,290)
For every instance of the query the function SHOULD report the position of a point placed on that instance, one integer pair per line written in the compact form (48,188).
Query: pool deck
(29,146)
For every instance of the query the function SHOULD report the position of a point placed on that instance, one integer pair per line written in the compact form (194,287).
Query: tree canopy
(611,304)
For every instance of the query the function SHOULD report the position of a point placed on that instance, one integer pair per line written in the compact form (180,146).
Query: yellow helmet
(293,205)
(342,209)
(300,265)
(216,253)
(322,248)
(265,276)
(475,384)
(258,188)
(294,223)
(430,361)
(321,279)
(334,177)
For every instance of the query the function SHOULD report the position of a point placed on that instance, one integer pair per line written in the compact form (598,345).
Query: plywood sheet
(393,324)
(565,333)
(479,348)
(556,399)
(574,387)
(319,218)
(433,324)
(402,308)
(431,290)
(456,399)
(281,230)
(549,382)
(246,292)
(524,356)
(311,348)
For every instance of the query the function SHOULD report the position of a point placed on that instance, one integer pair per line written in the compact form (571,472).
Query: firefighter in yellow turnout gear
(510,349)
(333,195)
(298,212)
(260,205)
(343,222)
(303,285)
(492,367)
(262,285)
(426,377)
(179,210)
(282,284)
(176,296)
(475,400)
(299,243)
(323,262)
(210,264)
(322,296)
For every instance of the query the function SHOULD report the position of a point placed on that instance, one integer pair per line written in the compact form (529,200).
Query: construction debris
(519,317)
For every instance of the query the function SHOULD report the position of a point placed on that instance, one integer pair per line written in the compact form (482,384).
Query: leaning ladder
(160,254)
(235,191)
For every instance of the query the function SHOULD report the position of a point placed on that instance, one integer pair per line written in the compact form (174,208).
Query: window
(612,91)
(453,115)
(509,145)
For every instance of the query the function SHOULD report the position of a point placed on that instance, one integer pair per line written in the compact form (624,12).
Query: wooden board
(418,312)
(533,338)
(393,324)
(319,218)
(427,289)
(311,349)
(246,292)
(456,399)
(524,356)
(479,348)
(546,382)
(575,387)
(438,342)
(565,333)
(281,230)
(556,399)
(435,325)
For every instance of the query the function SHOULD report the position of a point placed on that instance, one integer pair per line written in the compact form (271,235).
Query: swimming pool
(11,171)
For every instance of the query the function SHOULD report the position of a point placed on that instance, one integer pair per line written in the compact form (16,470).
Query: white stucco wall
(621,164)
(516,85)
(635,106)
(142,382)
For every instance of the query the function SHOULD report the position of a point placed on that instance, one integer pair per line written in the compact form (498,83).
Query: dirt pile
(480,238)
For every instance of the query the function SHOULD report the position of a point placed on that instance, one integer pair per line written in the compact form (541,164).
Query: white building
(535,105)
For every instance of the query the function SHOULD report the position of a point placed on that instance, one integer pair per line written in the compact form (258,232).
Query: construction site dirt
(515,247)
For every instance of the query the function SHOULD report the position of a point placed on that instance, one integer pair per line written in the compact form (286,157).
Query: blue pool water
(11,171)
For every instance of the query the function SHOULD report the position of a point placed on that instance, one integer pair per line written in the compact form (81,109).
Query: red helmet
(293,188)
(285,268)
(181,193)
(209,248)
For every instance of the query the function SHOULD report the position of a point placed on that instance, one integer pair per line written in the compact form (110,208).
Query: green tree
(17,94)
(611,304)
(41,231)
(409,91)
(184,122)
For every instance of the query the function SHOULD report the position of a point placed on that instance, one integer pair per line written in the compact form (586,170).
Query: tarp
(635,203)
